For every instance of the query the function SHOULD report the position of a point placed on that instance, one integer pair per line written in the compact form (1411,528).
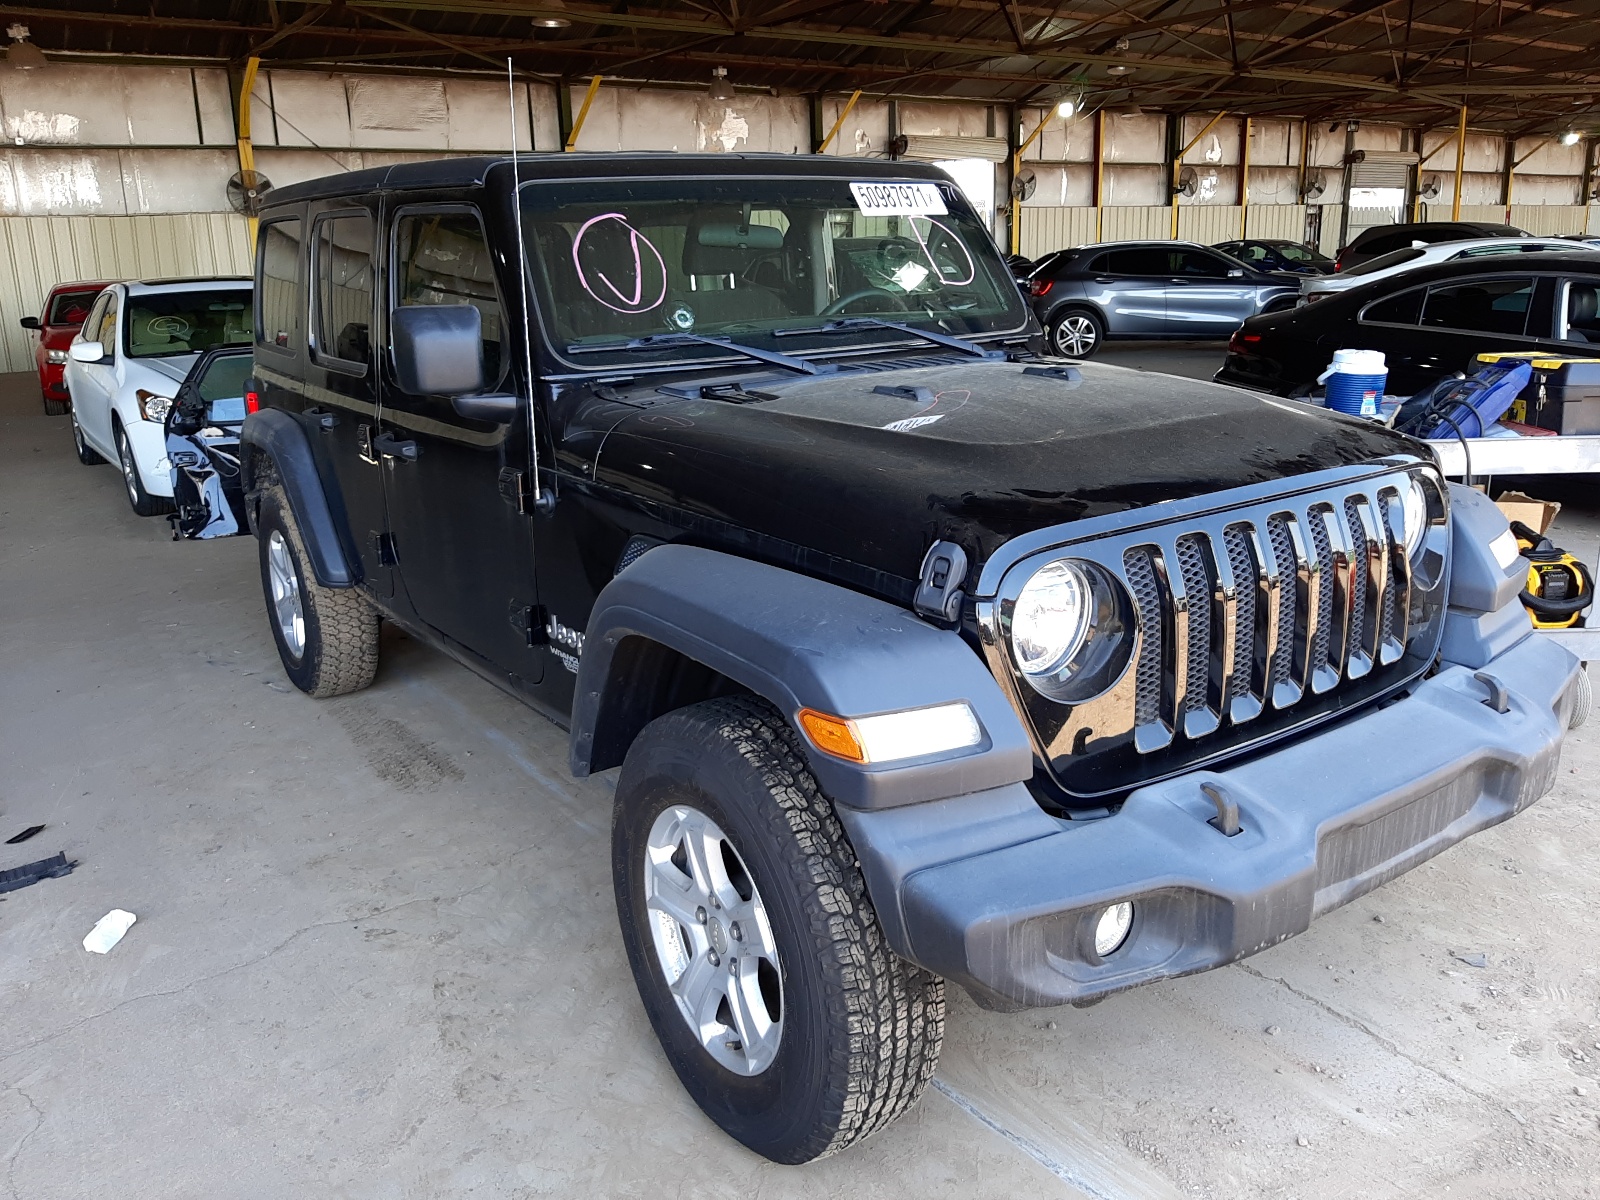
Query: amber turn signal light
(832,734)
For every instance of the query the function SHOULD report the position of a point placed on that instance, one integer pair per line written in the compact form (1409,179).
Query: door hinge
(383,549)
(515,490)
(529,620)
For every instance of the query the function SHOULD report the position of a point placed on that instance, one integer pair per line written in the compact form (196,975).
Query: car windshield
(70,308)
(222,387)
(748,259)
(166,323)
(1295,252)
(1384,261)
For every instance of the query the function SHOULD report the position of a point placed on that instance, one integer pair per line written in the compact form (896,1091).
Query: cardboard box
(1537,515)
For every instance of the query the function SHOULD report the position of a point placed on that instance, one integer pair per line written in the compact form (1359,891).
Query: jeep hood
(872,466)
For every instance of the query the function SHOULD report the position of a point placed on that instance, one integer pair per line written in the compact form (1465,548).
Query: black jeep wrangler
(922,657)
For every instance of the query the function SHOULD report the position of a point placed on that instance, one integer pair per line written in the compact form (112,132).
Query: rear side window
(278,292)
(443,258)
(1196,264)
(1482,306)
(106,334)
(1403,309)
(1146,261)
(342,267)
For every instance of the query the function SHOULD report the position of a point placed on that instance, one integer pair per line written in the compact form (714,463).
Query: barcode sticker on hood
(899,199)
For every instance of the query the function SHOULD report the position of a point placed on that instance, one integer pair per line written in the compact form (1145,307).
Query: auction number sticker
(899,199)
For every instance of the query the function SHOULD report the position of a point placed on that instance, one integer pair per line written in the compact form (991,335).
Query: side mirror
(30,323)
(86,352)
(438,349)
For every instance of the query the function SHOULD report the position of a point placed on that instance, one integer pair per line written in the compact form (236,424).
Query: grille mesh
(1141,576)
(1197,583)
(1356,637)
(1243,564)
(633,551)
(1386,613)
(1283,552)
(1322,546)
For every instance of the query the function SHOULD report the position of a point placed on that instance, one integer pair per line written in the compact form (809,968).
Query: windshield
(1295,252)
(166,323)
(748,258)
(1384,261)
(222,387)
(70,308)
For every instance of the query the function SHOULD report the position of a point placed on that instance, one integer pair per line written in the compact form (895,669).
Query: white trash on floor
(108,931)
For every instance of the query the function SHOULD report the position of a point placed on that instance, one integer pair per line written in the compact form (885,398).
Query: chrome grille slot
(1192,558)
(1320,675)
(1139,570)
(1357,661)
(1285,629)
(1244,697)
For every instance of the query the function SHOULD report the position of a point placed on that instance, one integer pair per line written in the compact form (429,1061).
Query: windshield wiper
(652,340)
(942,339)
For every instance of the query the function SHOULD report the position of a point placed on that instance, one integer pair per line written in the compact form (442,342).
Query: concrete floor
(376,953)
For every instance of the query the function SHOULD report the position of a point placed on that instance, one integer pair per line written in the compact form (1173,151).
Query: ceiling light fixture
(720,88)
(553,17)
(1067,109)
(1571,137)
(1118,69)
(22,54)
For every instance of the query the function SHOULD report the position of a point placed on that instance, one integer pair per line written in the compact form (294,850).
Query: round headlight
(1414,511)
(1051,618)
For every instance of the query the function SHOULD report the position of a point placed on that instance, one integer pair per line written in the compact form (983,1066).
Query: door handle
(1104,279)
(325,420)
(390,446)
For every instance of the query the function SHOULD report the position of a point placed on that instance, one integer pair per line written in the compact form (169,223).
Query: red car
(64,311)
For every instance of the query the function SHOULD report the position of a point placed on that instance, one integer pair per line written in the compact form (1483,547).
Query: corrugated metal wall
(38,252)
(1053,228)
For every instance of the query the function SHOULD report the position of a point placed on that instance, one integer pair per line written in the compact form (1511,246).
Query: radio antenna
(540,501)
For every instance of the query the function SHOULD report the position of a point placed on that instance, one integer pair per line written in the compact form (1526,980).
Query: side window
(1403,309)
(106,334)
(278,294)
(1145,262)
(1250,254)
(1197,264)
(1580,311)
(443,258)
(341,264)
(91,323)
(1482,306)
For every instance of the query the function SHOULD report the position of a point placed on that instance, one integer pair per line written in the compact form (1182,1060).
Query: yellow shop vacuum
(1559,585)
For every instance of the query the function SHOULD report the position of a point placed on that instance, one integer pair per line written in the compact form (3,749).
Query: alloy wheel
(287,607)
(1075,336)
(713,940)
(130,478)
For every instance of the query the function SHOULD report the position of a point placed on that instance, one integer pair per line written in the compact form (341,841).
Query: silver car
(1170,290)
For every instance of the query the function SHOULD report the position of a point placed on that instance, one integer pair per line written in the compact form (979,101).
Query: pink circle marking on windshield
(972,267)
(626,303)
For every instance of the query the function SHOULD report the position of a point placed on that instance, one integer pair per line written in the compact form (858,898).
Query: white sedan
(1396,262)
(139,341)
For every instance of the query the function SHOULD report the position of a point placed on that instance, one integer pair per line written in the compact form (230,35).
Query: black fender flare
(800,643)
(279,437)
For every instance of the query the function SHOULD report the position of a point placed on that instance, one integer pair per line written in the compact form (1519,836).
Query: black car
(1381,239)
(922,658)
(1168,290)
(1278,254)
(1429,322)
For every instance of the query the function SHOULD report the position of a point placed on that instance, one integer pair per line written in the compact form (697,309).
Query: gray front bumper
(992,893)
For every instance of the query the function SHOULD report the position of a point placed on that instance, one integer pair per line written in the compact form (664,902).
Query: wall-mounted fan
(1188,182)
(247,191)
(1430,188)
(1316,185)
(1024,185)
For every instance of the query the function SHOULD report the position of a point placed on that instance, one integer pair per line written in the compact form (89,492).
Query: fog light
(1111,930)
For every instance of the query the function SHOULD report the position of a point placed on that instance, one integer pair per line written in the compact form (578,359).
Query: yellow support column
(247,153)
(1461,164)
(843,113)
(1177,166)
(1244,184)
(583,114)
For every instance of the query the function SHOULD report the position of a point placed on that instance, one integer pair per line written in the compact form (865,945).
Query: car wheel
(142,501)
(1583,705)
(327,638)
(1076,334)
(757,953)
(56,408)
(86,455)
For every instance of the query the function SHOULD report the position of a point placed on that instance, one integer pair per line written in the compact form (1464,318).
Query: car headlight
(1070,629)
(55,357)
(153,407)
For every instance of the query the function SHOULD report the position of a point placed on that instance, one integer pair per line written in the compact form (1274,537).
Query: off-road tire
(56,408)
(87,454)
(141,501)
(862,1027)
(1076,333)
(340,651)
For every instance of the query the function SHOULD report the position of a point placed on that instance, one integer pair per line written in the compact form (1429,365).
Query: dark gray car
(1172,290)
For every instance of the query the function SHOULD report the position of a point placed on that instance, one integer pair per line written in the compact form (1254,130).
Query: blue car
(1278,254)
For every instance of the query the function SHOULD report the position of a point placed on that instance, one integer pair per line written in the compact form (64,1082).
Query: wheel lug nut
(738,935)
(714,958)
(715,903)
(733,966)
(700,915)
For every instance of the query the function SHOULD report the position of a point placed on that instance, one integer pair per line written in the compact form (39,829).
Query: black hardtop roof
(1404,226)
(472,171)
